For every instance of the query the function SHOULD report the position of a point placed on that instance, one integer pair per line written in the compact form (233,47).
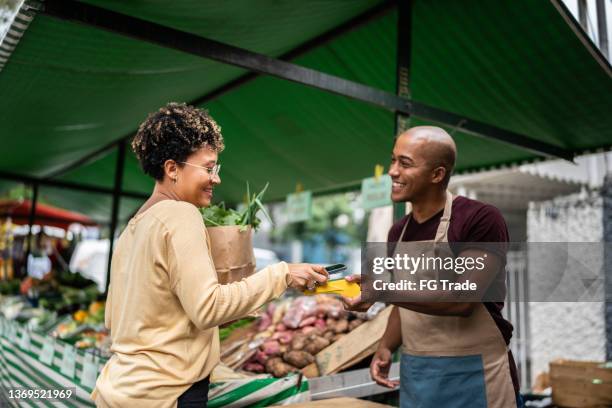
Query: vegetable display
(289,334)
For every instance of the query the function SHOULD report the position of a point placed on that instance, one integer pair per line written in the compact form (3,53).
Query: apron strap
(444,221)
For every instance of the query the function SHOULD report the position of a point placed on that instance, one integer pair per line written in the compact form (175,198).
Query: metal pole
(115,209)
(602,27)
(582,14)
(31,220)
(404,51)
(207,48)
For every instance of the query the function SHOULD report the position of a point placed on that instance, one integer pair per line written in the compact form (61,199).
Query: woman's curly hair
(173,133)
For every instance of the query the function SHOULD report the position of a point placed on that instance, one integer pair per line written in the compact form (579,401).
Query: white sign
(69,361)
(299,206)
(376,193)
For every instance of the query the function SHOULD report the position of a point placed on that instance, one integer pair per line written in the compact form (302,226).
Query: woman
(164,302)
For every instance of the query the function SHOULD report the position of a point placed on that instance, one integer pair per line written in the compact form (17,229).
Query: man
(454,354)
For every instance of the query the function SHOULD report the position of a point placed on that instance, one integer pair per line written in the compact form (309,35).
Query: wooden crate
(581,384)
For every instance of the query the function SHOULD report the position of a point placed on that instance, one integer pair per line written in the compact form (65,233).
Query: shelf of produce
(356,384)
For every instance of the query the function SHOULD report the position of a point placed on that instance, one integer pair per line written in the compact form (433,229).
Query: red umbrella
(19,211)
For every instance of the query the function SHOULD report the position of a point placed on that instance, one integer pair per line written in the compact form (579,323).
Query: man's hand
(379,368)
(355,304)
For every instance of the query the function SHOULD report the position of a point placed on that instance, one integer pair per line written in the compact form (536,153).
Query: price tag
(299,206)
(376,192)
(13,333)
(68,361)
(24,343)
(48,351)
(90,371)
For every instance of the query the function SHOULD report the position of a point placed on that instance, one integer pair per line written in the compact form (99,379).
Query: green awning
(70,89)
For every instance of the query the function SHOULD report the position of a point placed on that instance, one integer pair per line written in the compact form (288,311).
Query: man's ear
(171,169)
(438,174)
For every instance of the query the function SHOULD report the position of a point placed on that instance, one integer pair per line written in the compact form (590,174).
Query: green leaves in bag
(218,215)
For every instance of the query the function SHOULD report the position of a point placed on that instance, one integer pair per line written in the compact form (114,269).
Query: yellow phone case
(337,287)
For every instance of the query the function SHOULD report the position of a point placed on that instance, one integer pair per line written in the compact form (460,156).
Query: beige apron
(452,361)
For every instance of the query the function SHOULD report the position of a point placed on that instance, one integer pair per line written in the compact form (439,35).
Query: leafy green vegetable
(218,215)
(226,331)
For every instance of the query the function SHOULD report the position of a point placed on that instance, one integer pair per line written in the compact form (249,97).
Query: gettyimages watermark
(481,272)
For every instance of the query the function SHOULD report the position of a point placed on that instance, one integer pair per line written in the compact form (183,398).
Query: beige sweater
(164,307)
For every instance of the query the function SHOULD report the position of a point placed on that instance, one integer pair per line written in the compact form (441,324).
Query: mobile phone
(336,268)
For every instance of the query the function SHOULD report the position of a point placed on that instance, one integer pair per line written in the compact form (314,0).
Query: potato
(298,342)
(342,326)
(316,344)
(278,368)
(299,359)
(338,337)
(329,334)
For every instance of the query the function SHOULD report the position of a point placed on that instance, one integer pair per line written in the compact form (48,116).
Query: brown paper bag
(232,252)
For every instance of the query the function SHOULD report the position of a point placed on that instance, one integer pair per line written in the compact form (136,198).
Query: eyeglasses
(212,171)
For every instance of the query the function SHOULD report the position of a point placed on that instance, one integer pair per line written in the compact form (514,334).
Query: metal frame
(190,43)
(583,36)
(602,27)
(404,56)
(69,185)
(335,32)
(31,220)
(120,165)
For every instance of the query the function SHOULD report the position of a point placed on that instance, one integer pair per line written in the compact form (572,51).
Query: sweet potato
(271,348)
(283,337)
(261,357)
(299,359)
(309,321)
(254,367)
(329,334)
(320,324)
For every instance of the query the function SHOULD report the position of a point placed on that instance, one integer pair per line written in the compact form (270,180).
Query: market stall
(368,66)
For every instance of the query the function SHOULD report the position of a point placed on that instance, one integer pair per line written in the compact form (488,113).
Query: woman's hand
(306,276)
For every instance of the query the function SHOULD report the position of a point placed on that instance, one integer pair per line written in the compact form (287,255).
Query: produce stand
(363,69)
(23,364)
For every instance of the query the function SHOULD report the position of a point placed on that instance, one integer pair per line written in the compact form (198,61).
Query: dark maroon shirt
(471,222)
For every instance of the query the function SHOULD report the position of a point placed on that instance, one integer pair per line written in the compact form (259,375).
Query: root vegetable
(283,337)
(316,344)
(278,368)
(338,337)
(254,367)
(329,334)
(261,357)
(264,322)
(271,348)
(309,330)
(298,342)
(281,327)
(308,321)
(342,326)
(299,359)
(320,324)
